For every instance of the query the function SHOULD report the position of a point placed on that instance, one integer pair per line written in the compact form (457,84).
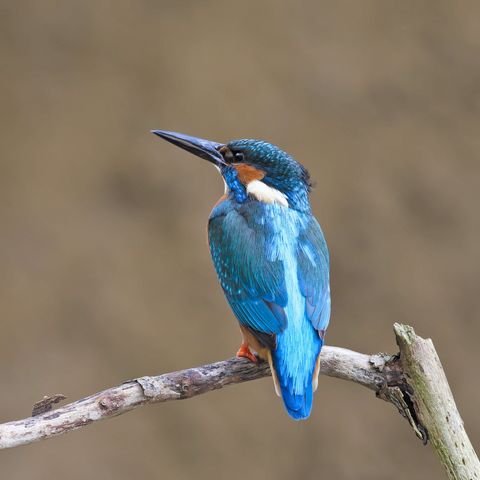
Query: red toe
(244,351)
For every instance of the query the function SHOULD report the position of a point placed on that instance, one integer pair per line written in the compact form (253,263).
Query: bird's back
(272,263)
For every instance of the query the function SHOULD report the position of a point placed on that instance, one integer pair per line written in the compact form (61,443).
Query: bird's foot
(244,351)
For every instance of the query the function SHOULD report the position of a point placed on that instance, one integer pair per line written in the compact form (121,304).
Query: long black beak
(198,146)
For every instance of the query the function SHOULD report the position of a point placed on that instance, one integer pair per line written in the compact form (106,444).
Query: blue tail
(297,388)
(298,406)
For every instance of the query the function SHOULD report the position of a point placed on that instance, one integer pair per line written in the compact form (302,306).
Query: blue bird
(271,259)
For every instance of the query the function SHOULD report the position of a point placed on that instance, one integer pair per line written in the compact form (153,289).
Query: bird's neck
(234,188)
(238,190)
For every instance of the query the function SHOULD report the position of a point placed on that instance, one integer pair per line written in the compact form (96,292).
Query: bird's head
(251,169)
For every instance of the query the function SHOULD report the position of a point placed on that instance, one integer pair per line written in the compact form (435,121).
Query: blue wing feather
(253,284)
(313,274)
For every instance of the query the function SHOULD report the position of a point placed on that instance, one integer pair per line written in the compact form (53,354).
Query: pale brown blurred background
(104,269)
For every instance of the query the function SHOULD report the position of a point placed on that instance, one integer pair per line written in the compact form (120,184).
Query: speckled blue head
(281,171)
(243,161)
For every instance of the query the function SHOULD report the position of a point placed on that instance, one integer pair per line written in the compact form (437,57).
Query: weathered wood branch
(371,371)
(434,405)
(413,381)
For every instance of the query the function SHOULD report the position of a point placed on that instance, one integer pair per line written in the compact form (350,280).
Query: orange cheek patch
(247,173)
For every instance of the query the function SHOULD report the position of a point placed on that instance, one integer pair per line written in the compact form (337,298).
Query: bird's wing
(313,274)
(253,284)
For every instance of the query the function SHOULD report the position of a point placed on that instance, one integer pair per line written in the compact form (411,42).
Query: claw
(244,351)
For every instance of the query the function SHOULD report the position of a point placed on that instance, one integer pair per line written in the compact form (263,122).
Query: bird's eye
(239,157)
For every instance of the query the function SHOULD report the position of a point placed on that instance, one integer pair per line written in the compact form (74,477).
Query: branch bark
(413,381)
(434,405)
(371,371)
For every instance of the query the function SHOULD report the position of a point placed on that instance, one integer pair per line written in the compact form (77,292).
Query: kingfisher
(271,260)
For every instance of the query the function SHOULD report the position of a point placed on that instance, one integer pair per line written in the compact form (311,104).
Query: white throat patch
(266,194)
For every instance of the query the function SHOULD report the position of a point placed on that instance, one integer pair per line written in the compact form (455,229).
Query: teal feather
(272,263)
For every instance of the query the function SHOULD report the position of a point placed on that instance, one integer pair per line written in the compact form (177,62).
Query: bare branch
(435,407)
(375,372)
(413,381)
